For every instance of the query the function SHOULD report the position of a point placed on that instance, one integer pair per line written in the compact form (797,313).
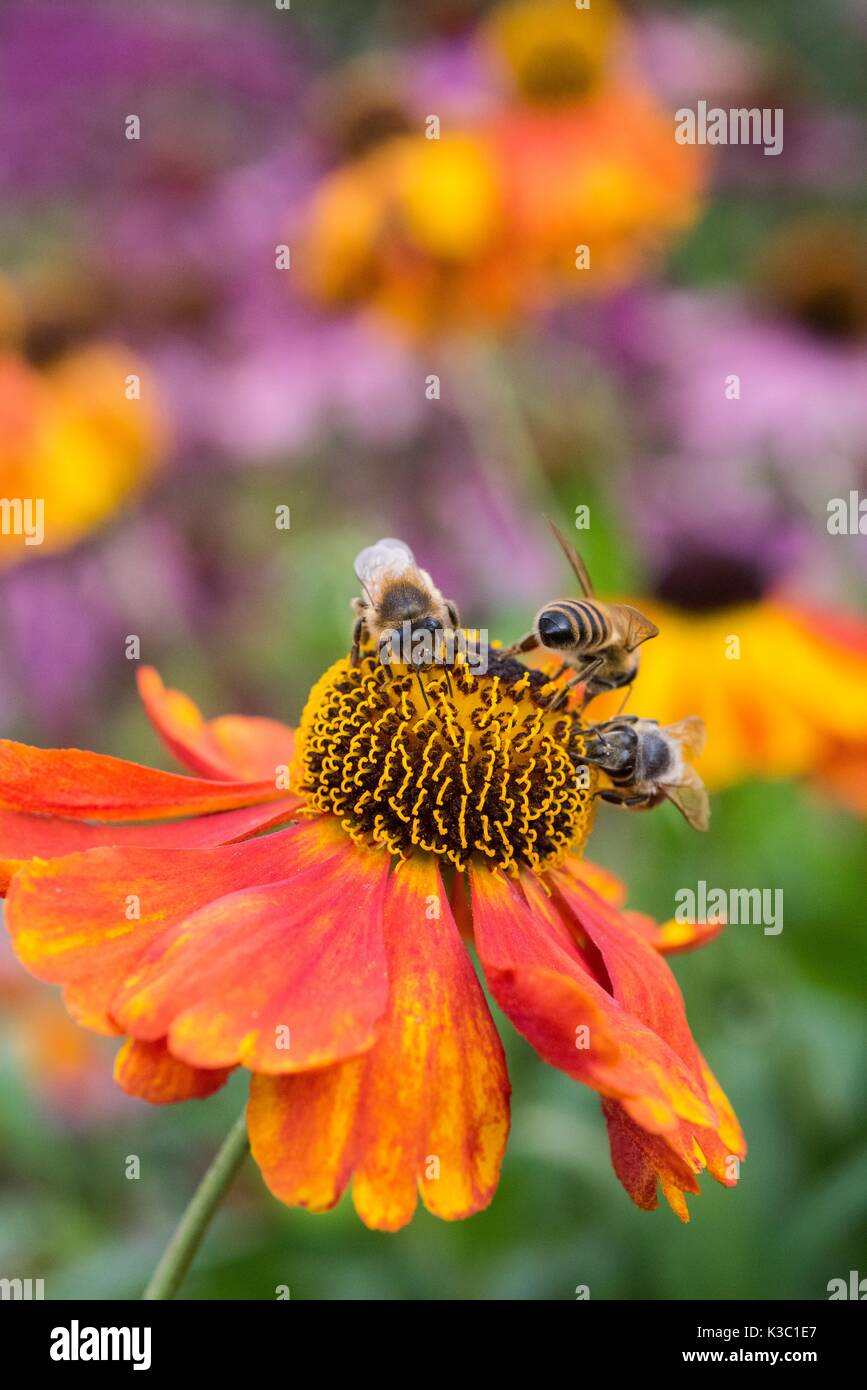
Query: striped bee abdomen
(575,623)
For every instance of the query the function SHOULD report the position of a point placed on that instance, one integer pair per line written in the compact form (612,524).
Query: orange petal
(25,836)
(730,1135)
(426,1110)
(539,977)
(68,917)
(93,786)
(434,1113)
(280,979)
(642,1160)
(669,938)
(232,747)
(301,1130)
(640,980)
(149,1071)
(642,983)
(672,937)
(602,881)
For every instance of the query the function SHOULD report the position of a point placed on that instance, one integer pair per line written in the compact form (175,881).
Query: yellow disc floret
(451,762)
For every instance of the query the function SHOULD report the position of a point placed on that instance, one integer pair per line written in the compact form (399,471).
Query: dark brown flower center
(454,763)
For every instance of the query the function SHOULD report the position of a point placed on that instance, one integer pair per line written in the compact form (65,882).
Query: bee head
(426,625)
(596,747)
(611,746)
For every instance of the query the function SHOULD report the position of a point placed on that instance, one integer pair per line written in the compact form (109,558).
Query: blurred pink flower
(802,406)
(64,619)
(688,56)
(207,85)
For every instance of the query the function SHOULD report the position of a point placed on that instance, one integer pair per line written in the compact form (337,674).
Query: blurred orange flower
(72,440)
(487,222)
(65,1066)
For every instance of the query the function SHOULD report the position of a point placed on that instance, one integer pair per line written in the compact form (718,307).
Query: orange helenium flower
(326,955)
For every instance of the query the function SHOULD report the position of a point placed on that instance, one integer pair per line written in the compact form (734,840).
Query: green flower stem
(181,1249)
(497,425)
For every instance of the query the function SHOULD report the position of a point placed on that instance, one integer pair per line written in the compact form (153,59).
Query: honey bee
(648,764)
(596,640)
(397,593)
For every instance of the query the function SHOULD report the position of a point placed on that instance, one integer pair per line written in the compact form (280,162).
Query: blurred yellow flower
(414,230)
(554,51)
(781,687)
(71,440)
(448,193)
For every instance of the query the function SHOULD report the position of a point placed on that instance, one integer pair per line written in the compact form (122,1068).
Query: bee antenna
(366,590)
(576,564)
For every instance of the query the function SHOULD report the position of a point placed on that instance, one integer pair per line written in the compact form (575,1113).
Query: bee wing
(576,564)
(690,734)
(376,560)
(691,799)
(638,628)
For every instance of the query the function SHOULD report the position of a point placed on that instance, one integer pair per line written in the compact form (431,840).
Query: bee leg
(561,696)
(356,641)
(580,678)
(588,671)
(624,702)
(633,802)
(526,644)
(384,662)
